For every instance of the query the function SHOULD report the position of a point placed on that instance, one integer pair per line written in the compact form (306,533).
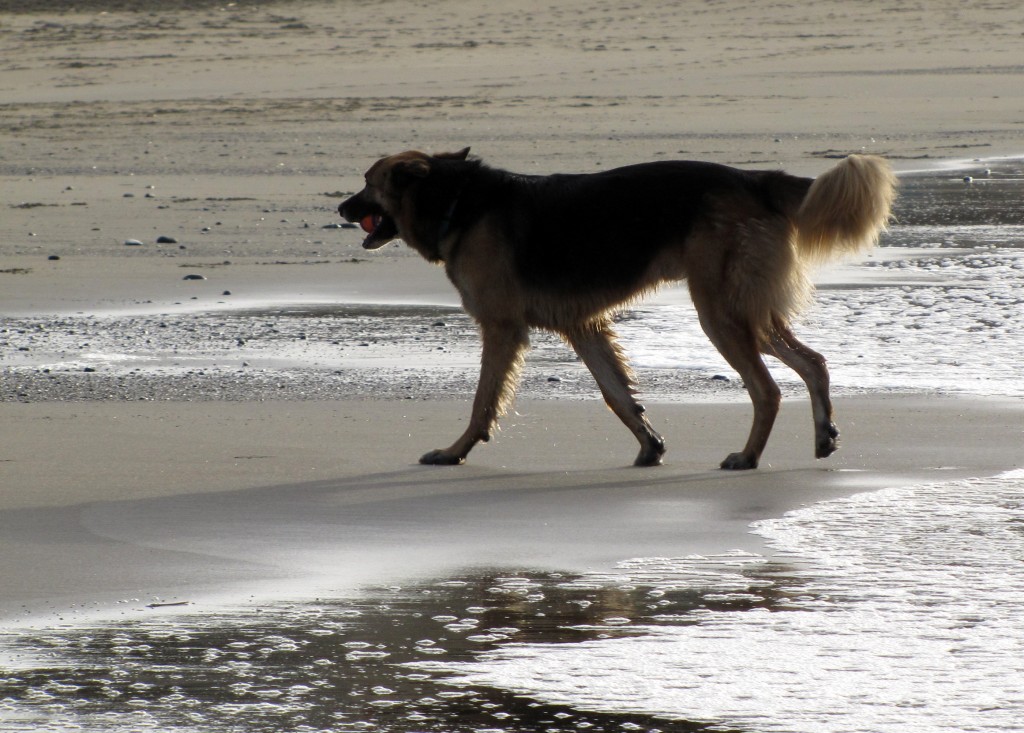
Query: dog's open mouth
(380,229)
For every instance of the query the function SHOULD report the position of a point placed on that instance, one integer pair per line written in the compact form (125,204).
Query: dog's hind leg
(597,347)
(503,347)
(738,344)
(811,367)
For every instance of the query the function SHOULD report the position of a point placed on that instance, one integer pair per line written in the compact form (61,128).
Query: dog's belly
(566,312)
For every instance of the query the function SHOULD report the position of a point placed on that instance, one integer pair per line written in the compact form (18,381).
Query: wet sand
(264,118)
(224,502)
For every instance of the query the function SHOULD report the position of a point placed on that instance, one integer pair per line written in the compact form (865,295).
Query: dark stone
(194,277)
(166,240)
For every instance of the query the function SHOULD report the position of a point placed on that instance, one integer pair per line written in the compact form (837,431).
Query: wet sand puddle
(358,664)
(938,307)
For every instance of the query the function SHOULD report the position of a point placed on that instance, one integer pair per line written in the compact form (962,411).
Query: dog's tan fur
(742,240)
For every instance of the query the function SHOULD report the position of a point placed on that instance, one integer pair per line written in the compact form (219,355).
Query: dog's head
(386,208)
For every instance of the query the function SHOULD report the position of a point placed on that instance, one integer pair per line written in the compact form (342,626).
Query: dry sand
(235,129)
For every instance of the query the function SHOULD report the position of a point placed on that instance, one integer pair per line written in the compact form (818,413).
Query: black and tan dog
(562,252)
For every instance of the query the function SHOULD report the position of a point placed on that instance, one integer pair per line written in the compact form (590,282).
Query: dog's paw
(441,458)
(827,442)
(650,456)
(738,462)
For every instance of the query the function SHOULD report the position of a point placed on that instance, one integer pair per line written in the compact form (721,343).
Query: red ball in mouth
(370,222)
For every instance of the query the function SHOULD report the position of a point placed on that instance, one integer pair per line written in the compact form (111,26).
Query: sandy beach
(212,395)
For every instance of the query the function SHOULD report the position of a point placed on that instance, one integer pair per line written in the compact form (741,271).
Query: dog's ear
(410,169)
(460,155)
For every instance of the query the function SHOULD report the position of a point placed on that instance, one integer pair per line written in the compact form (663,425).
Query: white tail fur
(846,208)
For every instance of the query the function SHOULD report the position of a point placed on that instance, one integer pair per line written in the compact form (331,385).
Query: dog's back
(574,233)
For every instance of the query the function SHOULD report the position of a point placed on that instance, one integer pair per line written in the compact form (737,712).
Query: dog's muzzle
(379,227)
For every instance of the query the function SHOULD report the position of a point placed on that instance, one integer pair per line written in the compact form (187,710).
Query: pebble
(194,277)
(132,243)
(720,378)
(162,239)
(226,292)
(53,258)
(554,379)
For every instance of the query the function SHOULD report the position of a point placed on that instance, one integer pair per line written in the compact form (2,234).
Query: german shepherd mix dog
(563,252)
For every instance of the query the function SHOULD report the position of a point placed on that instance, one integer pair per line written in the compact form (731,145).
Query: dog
(564,252)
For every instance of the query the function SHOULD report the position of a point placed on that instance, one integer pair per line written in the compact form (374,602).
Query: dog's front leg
(503,347)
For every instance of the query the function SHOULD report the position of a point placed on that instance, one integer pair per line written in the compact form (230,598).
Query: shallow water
(340,665)
(905,615)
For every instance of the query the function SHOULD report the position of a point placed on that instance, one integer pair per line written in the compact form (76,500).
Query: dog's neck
(446,222)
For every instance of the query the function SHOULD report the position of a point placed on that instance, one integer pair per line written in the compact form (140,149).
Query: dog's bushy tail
(845,209)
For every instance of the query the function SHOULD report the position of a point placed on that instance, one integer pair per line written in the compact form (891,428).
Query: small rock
(53,258)
(129,196)
(720,378)
(331,226)
(162,239)
(194,277)
(348,225)
(132,243)
(440,324)
(554,379)
(968,179)
(226,292)
(89,370)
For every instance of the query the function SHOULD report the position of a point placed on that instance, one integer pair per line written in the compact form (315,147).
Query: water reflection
(357,664)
